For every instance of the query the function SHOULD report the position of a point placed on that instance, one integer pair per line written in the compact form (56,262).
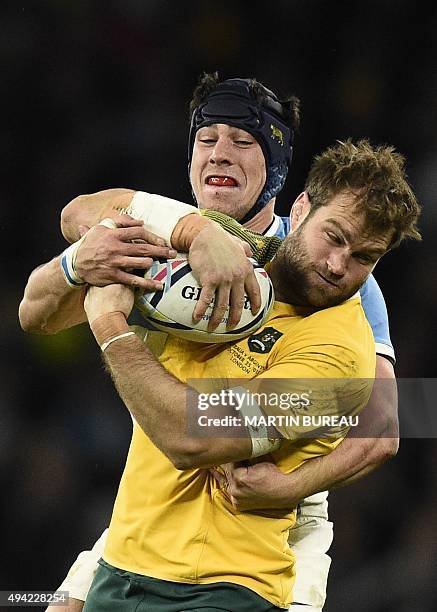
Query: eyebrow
(340,228)
(371,250)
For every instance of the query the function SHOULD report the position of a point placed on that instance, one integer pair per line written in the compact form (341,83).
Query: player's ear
(299,210)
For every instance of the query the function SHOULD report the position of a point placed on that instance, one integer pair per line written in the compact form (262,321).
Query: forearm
(371,443)
(353,459)
(49,305)
(180,221)
(264,486)
(158,401)
(369,454)
(140,386)
(88,210)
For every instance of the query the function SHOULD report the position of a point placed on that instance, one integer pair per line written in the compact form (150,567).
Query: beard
(299,281)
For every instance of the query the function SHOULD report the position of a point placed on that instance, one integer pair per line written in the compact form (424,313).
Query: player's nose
(337,262)
(221,152)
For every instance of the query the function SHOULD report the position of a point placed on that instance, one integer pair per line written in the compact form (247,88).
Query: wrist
(108,326)
(289,491)
(68,266)
(186,231)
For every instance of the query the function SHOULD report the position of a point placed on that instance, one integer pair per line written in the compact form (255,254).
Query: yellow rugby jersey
(179,525)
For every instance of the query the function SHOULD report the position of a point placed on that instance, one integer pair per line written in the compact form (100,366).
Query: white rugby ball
(171,309)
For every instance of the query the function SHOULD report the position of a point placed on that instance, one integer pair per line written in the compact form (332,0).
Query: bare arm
(154,397)
(158,401)
(49,305)
(88,210)
(225,279)
(376,439)
(105,256)
(373,442)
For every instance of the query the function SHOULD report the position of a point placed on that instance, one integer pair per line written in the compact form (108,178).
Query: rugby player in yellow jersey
(175,541)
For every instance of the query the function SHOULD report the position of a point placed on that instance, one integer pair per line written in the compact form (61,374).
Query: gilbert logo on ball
(171,309)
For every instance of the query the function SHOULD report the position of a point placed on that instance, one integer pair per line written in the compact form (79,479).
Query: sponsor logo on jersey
(264,341)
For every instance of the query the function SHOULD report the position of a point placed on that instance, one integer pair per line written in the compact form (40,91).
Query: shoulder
(340,336)
(279,228)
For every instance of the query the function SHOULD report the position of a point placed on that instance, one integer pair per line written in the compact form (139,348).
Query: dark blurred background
(95,95)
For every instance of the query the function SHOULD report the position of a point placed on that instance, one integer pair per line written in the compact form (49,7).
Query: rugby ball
(171,309)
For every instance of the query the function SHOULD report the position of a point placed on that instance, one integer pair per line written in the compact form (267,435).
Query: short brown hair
(376,176)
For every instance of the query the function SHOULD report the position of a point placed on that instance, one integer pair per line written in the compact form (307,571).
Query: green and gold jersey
(179,525)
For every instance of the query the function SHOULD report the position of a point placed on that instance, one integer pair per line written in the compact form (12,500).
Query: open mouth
(221,181)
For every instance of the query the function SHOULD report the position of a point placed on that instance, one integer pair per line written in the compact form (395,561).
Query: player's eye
(365,259)
(335,238)
(244,143)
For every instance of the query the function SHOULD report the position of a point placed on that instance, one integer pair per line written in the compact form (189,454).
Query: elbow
(388,448)
(388,444)
(383,448)
(189,456)
(182,462)
(26,321)
(68,216)
(31,324)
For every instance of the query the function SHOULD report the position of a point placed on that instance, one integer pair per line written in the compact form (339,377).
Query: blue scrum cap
(234,102)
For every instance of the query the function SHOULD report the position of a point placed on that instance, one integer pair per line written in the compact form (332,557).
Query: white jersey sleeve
(160,214)
(81,574)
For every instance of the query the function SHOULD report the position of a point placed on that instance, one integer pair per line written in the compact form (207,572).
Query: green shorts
(120,591)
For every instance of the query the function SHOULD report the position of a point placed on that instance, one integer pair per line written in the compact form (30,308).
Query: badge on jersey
(264,341)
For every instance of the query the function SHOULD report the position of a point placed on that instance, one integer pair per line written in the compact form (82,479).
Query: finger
(228,469)
(221,304)
(253,292)
(205,299)
(134,230)
(236,303)
(138,282)
(144,249)
(247,250)
(152,238)
(239,475)
(83,230)
(219,477)
(127,234)
(126,221)
(140,263)
(235,503)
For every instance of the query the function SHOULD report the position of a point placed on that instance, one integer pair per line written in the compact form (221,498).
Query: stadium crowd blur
(95,94)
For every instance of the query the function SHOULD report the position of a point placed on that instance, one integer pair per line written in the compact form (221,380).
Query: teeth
(225,181)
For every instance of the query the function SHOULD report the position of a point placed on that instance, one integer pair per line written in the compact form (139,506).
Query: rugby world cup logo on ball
(171,309)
